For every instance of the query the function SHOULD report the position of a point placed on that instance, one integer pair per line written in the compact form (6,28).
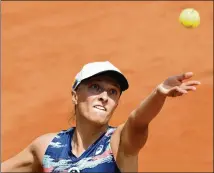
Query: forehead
(103,78)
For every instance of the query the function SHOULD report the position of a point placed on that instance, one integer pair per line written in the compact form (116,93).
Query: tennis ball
(189,18)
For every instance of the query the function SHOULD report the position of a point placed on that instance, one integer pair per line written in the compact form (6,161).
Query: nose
(103,97)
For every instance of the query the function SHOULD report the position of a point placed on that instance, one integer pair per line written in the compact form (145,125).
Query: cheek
(87,102)
(113,105)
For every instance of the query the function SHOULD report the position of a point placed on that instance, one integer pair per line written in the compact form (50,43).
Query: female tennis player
(93,145)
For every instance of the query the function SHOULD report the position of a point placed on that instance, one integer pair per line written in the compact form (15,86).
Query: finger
(188,83)
(184,76)
(189,88)
(181,90)
(177,89)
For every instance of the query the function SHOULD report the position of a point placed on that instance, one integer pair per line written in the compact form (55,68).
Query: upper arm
(125,150)
(127,141)
(29,159)
(25,161)
(132,138)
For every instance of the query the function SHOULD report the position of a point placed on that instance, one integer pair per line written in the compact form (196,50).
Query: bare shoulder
(126,163)
(40,144)
(115,139)
(43,140)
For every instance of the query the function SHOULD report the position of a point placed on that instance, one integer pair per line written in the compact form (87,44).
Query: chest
(103,162)
(97,158)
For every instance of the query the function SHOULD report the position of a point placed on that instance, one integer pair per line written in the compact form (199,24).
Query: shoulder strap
(56,147)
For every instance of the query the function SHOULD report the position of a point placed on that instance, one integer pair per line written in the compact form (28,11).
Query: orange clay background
(44,45)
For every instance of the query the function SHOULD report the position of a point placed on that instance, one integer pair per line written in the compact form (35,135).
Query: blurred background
(44,45)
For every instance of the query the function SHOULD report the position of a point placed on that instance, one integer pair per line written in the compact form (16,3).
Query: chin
(99,118)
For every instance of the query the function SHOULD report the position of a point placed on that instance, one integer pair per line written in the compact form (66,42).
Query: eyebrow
(112,83)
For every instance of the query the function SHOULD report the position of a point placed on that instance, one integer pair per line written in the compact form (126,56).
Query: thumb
(184,76)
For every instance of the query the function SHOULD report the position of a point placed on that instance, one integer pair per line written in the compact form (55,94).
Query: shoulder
(116,131)
(111,130)
(125,163)
(30,158)
(44,140)
(40,145)
(115,138)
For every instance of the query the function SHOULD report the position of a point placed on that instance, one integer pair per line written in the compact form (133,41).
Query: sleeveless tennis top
(97,158)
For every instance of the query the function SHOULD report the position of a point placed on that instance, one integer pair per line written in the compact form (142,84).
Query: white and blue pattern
(97,158)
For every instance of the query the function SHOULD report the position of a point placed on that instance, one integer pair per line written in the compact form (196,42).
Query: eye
(94,87)
(113,92)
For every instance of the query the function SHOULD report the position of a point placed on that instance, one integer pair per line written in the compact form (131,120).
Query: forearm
(135,131)
(148,109)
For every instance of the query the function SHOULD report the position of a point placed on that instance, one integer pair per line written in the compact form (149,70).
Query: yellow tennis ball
(189,18)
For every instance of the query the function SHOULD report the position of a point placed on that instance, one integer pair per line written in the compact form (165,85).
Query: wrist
(157,92)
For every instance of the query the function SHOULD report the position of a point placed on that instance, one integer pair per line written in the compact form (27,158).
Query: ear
(74,97)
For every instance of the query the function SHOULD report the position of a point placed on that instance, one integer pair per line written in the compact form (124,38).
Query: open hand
(176,86)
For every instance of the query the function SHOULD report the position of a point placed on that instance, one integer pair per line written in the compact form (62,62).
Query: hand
(176,86)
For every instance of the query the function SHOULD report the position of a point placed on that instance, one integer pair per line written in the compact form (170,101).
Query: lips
(100,107)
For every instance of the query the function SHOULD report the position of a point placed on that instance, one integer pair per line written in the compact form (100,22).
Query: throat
(82,139)
(77,151)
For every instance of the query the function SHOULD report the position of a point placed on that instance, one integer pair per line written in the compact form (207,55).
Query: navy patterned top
(97,158)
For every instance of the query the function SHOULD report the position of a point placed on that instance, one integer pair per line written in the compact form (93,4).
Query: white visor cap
(98,68)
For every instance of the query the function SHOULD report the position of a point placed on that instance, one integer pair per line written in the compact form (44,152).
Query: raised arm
(131,136)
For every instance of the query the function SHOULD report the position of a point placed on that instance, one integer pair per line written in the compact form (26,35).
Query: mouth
(102,108)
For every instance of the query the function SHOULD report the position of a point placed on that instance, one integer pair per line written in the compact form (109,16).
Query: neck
(85,135)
